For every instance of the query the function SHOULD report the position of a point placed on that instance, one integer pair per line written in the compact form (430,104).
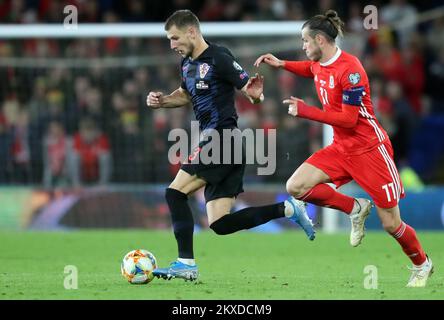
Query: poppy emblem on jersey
(331,84)
(203,70)
(237,66)
(354,78)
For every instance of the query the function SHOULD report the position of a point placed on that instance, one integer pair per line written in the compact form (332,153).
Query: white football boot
(420,274)
(358,220)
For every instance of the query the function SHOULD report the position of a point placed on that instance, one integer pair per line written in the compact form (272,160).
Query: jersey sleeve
(353,85)
(301,68)
(230,71)
(182,82)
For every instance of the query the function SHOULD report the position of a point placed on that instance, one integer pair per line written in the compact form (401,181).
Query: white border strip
(103,30)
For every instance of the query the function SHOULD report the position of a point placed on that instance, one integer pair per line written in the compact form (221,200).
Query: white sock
(423,264)
(189,262)
(288,211)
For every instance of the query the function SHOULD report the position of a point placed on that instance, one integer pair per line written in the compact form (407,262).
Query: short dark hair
(329,24)
(181,19)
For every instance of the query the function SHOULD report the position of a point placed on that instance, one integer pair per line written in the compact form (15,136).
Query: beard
(188,50)
(316,55)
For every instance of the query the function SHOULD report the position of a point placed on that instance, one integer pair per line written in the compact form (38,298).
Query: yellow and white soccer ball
(138,266)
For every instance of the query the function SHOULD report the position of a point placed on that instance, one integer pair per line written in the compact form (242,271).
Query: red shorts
(374,171)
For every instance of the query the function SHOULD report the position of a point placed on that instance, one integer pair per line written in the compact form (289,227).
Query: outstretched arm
(301,68)
(178,98)
(347,118)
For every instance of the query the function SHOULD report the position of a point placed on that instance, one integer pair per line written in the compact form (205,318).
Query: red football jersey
(89,155)
(338,80)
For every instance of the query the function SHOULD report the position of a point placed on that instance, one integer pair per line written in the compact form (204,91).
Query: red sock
(325,196)
(406,237)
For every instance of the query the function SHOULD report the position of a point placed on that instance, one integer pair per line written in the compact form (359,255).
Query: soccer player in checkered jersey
(361,149)
(210,74)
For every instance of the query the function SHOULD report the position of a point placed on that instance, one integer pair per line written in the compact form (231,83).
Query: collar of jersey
(203,54)
(332,59)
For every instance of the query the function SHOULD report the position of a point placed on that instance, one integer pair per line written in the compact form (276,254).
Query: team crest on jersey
(237,66)
(354,78)
(331,83)
(203,70)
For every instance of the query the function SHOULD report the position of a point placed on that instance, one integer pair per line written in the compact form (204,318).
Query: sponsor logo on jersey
(354,78)
(201,85)
(203,70)
(323,82)
(237,66)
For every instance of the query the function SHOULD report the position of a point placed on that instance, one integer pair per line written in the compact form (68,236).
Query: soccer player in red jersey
(361,149)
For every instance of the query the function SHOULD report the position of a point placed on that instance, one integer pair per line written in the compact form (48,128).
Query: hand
(154,99)
(270,60)
(293,105)
(255,87)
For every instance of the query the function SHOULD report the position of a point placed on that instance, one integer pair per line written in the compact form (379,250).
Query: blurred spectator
(88,12)
(135,11)
(295,11)
(212,10)
(414,75)
(435,35)
(51,11)
(387,60)
(12,11)
(38,103)
(21,155)
(91,161)
(265,11)
(404,120)
(5,150)
(324,5)
(128,149)
(355,23)
(232,10)
(400,13)
(435,82)
(56,149)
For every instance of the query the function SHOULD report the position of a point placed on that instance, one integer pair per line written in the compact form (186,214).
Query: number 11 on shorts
(387,191)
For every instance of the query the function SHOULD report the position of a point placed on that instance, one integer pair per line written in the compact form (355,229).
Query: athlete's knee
(390,219)
(172,195)
(390,226)
(220,227)
(296,188)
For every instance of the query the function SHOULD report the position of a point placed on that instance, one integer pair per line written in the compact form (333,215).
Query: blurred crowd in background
(78,121)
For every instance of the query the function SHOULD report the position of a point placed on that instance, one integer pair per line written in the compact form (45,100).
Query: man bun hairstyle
(328,24)
(181,19)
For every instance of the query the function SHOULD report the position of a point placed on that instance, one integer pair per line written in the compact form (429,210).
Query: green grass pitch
(242,266)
